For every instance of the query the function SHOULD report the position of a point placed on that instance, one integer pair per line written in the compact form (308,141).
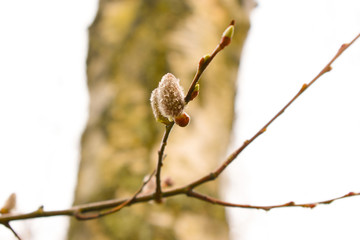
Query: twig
(12,230)
(80,210)
(266,208)
(160,162)
(213,175)
(80,216)
(203,63)
(186,190)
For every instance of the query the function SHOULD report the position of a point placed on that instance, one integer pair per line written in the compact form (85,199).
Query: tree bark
(132,44)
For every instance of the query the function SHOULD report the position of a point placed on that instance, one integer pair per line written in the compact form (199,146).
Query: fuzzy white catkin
(171,96)
(167,100)
(154,100)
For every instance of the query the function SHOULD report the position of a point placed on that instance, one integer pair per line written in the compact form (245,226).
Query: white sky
(309,154)
(43,106)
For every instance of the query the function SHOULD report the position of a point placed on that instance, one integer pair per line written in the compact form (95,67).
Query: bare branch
(213,175)
(203,63)
(205,60)
(80,216)
(266,208)
(12,230)
(160,162)
(83,212)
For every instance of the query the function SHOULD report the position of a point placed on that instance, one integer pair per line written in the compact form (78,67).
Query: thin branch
(12,230)
(203,63)
(80,216)
(160,162)
(213,175)
(266,208)
(80,210)
(141,199)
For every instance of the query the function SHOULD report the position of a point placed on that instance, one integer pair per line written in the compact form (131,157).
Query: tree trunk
(132,44)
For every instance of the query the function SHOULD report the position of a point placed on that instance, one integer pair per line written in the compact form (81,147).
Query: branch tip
(229,32)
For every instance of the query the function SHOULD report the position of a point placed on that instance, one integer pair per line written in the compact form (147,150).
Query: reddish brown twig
(158,190)
(81,216)
(203,63)
(12,230)
(266,208)
(186,190)
(213,175)
(205,60)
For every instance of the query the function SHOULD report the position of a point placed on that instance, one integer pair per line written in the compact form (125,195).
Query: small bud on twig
(168,182)
(227,35)
(229,32)
(195,92)
(204,59)
(182,120)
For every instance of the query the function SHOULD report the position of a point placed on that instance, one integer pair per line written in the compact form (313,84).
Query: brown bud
(182,120)
(168,182)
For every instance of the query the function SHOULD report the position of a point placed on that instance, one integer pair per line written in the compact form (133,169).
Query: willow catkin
(167,100)
(171,96)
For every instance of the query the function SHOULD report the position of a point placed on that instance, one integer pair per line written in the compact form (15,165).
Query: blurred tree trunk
(132,44)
